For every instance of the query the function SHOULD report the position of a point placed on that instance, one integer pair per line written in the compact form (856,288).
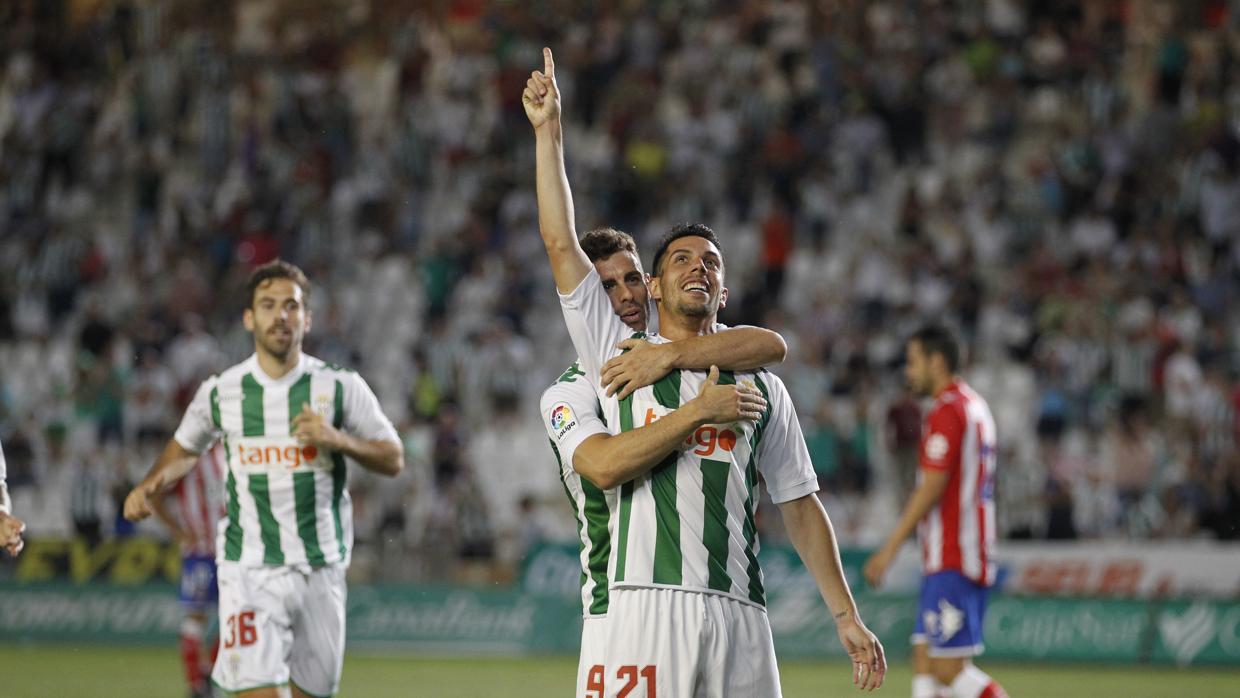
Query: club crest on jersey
(562,420)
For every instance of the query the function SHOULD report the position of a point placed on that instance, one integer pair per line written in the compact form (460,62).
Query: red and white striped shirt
(198,500)
(959,439)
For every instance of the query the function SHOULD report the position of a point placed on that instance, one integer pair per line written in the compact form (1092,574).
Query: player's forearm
(924,499)
(383,457)
(809,528)
(737,349)
(569,264)
(611,460)
(173,464)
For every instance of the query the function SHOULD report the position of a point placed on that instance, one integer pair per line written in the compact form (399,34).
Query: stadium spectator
(1059,183)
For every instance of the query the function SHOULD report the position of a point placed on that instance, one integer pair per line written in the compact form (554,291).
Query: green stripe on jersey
(757,593)
(715,527)
(626,496)
(215,407)
(595,514)
(303,498)
(303,483)
(233,533)
(252,423)
(668,557)
(298,395)
(269,530)
(339,472)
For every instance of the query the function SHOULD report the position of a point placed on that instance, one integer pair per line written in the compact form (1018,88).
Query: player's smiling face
(625,284)
(277,317)
(691,281)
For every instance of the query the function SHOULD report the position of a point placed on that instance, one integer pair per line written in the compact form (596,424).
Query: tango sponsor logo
(266,454)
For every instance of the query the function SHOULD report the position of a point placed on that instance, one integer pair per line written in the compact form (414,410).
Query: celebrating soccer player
(289,423)
(593,461)
(687,606)
(953,510)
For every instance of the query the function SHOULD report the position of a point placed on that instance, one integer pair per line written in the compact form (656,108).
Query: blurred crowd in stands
(1060,181)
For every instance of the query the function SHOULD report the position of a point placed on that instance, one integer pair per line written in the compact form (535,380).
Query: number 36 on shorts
(627,677)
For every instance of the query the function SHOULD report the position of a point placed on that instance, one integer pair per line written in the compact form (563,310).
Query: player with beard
(687,610)
(593,461)
(289,423)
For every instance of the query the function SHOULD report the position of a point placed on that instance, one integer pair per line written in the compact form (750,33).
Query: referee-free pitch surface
(89,671)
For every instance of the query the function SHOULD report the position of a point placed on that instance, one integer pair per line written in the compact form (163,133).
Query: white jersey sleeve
(363,417)
(198,427)
(592,324)
(783,458)
(569,411)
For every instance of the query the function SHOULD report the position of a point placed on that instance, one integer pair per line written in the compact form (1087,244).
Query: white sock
(970,682)
(925,686)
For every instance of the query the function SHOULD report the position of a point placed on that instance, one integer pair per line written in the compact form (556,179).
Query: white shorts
(281,624)
(591,663)
(688,644)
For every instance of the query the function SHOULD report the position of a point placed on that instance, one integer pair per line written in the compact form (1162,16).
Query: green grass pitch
(89,671)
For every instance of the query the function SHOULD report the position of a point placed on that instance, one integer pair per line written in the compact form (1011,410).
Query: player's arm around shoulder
(741,348)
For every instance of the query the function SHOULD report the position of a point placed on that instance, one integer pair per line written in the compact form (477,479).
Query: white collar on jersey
(267,381)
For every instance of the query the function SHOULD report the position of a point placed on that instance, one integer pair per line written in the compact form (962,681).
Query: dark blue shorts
(198,589)
(950,615)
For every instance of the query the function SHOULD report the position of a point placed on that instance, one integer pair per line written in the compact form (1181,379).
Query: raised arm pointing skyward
(541,99)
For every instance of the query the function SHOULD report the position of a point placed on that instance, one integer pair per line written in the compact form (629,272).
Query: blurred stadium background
(1058,180)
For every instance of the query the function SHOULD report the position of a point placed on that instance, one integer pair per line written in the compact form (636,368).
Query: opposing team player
(289,423)
(11,527)
(191,511)
(593,461)
(687,606)
(953,511)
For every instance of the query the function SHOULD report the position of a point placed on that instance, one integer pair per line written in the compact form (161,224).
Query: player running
(687,607)
(593,461)
(289,423)
(953,511)
(11,527)
(191,511)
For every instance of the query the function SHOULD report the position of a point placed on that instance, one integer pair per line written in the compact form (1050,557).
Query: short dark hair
(683,230)
(602,243)
(937,339)
(275,269)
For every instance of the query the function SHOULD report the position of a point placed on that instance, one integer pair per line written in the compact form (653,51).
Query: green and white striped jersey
(286,503)
(571,413)
(689,522)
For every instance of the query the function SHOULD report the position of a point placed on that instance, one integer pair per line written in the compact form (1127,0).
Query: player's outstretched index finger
(548,63)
